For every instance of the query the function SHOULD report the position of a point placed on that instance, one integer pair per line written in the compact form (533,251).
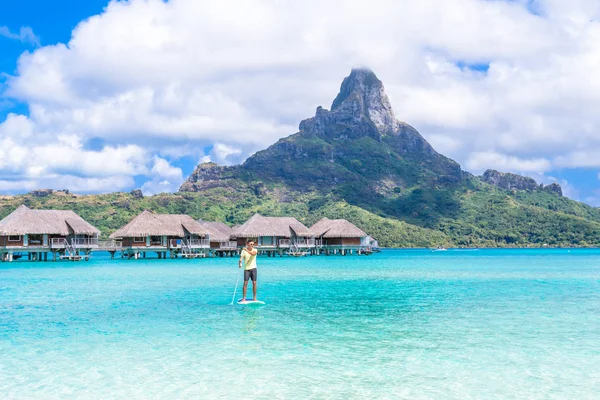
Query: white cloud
(25,35)
(163,169)
(165,178)
(153,187)
(67,156)
(30,159)
(166,79)
(583,158)
(481,161)
(224,154)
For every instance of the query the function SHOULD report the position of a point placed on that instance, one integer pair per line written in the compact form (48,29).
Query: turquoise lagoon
(412,324)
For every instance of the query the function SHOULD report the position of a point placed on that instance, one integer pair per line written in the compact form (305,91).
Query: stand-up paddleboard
(250,302)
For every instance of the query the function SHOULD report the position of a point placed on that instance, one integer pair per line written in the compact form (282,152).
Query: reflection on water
(250,316)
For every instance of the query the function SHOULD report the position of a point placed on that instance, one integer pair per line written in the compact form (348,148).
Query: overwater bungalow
(276,235)
(37,233)
(173,234)
(220,238)
(339,236)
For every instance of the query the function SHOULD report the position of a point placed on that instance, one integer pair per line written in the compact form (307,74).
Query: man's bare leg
(254,285)
(244,289)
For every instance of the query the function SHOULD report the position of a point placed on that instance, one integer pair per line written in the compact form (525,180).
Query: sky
(99,96)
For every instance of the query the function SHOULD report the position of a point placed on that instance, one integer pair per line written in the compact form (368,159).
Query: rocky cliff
(207,176)
(509,181)
(553,188)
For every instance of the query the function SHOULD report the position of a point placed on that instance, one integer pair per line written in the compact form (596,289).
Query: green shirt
(249,260)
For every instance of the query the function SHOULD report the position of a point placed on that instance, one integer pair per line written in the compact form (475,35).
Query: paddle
(236,285)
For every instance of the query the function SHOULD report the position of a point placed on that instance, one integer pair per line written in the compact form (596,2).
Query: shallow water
(487,324)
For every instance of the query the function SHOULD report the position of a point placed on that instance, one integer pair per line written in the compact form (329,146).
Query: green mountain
(358,153)
(357,161)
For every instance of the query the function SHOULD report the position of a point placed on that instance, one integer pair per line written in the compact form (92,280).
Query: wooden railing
(285,242)
(110,245)
(198,243)
(58,243)
(61,243)
(228,245)
(84,242)
(305,242)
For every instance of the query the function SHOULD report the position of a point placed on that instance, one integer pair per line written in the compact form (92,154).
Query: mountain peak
(360,80)
(363,93)
(362,109)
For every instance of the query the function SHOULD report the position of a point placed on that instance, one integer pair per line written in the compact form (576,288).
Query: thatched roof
(336,228)
(25,221)
(271,226)
(218,231)
(150,224)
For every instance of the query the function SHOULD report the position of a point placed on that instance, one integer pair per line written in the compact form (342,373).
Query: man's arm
(241,258)
(253,252)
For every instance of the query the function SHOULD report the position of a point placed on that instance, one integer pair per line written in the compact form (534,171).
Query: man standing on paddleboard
(248,261)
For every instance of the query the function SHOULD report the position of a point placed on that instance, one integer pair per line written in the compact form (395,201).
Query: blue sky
(98,97)
(53,22)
